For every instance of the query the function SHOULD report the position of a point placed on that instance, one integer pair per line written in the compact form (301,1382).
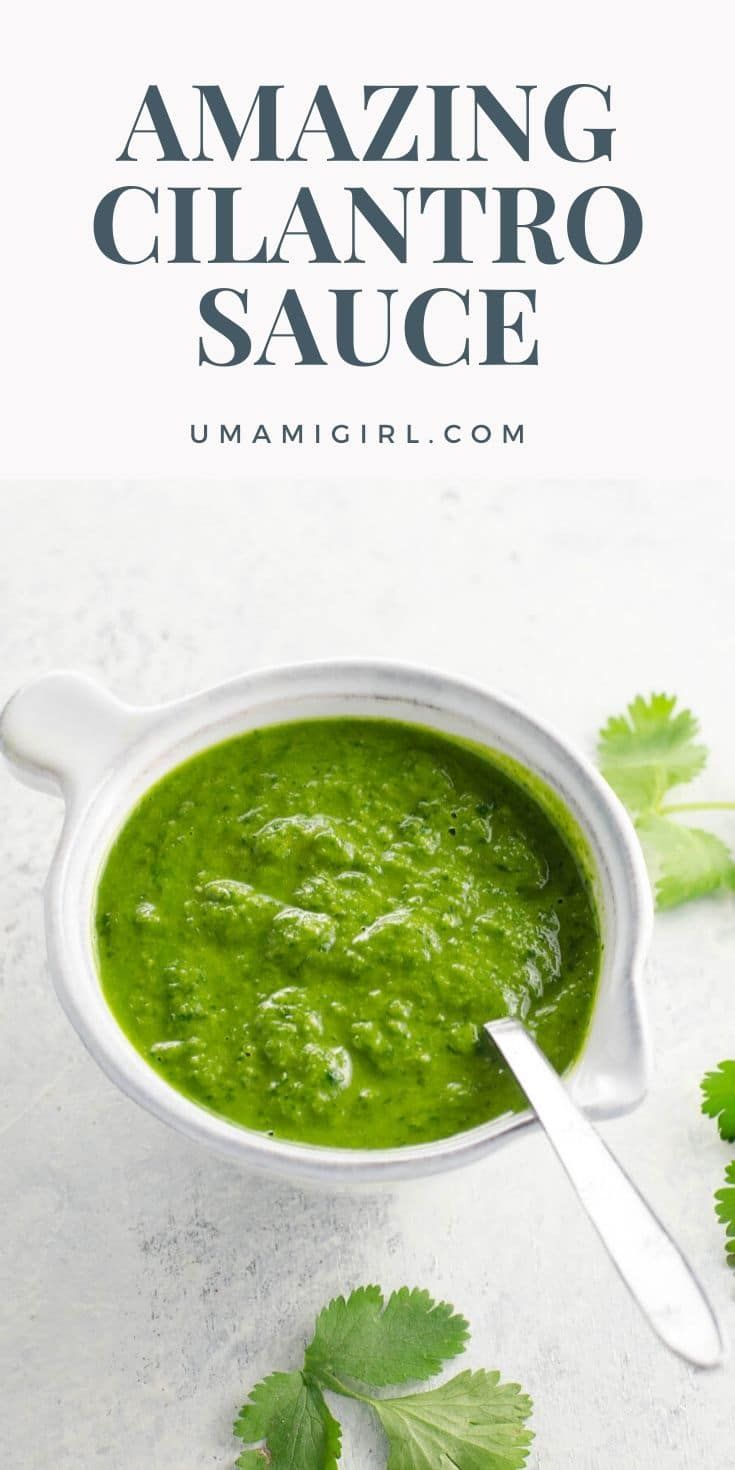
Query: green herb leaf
(473,1422)
(650,750)
(684,862)
(290,1415)
(718,1093)
(726,1210)
(405,1339)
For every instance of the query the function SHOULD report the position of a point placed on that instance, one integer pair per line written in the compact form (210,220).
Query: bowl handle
(62,731)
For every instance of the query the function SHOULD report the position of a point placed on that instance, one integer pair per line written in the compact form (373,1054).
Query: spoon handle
(650,1263)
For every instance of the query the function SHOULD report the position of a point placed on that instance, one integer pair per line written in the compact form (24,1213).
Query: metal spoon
(651,1265)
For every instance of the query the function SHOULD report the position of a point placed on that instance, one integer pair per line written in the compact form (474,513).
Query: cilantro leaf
(648,750)
(684,862)
(718,1091)
(473,1422)
(290,1415)
(408,1337)
(726,1210)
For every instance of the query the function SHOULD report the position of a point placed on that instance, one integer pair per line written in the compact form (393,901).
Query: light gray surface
(146,1285)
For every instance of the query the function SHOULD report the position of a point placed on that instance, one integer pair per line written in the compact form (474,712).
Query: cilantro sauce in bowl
(282,910)
(305,928)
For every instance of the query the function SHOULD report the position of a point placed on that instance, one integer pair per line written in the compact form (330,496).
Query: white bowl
(66,733)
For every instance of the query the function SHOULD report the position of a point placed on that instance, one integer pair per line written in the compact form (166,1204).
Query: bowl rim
(143,735)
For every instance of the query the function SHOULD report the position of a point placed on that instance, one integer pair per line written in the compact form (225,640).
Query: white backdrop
(146,1284)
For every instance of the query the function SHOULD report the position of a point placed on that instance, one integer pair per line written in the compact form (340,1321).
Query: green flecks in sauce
(304,929)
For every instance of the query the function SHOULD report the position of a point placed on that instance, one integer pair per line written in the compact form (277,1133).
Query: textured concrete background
(146,1285)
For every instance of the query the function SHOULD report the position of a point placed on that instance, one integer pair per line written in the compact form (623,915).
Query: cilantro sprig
(725,1205)
(362,1343)
(718,1102)
(718,1099)
(644,754)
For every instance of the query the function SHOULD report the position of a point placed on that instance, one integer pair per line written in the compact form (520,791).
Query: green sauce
(304,929)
